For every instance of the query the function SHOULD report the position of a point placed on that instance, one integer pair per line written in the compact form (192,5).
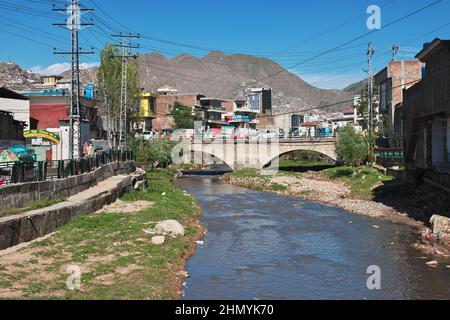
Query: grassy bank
(117,259)
(362,181)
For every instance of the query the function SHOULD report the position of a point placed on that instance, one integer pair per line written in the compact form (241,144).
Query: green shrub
(351,147)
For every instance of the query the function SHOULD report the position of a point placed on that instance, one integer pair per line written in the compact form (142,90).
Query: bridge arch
(241,155)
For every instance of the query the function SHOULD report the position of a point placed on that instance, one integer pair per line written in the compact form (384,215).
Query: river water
(264,246)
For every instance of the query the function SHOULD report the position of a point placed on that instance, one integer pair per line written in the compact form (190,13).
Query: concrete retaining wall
(28,226)
(22,195)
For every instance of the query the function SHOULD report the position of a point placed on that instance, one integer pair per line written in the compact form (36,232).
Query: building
(239,115)
(147,112)
(215,113)
(342,119)
(11,130)
(50,111)
(259,100)
(391,81)
(166,103)
(167,91)
(16,104)
(48,82)
(426,109)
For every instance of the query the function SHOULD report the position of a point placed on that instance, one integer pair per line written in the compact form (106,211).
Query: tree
(351,147)
(152,154)
(110,80)
(184,117)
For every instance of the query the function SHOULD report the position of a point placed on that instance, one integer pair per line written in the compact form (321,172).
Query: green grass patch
(34,206)
(278,187)
(362,181)
(287,164)
(247,173)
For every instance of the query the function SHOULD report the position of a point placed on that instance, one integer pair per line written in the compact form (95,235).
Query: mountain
(215,75)
(15,78)
(357,87)
(226,76)
(87,76)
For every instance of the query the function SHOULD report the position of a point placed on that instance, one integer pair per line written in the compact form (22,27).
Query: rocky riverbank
(396,207)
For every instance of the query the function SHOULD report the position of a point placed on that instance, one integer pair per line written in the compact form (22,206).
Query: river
(264,246)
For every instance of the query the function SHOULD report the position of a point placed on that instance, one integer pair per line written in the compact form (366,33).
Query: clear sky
(288,31)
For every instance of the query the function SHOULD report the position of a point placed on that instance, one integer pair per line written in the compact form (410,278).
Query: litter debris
(376,227)
(158,240)
(163,194)
(432,264)
(200,243)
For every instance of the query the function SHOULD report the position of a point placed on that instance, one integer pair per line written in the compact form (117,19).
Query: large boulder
(169,227)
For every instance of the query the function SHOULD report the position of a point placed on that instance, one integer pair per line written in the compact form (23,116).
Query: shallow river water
(264,246)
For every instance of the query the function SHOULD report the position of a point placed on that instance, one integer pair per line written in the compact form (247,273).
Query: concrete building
(427,115)
(49,111)
(215,113)
(11,130)
(147,112)
(391,81)
(17,104)
(165,104)
(240,115)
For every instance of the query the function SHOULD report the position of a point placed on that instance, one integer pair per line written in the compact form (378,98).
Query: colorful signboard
(53,137)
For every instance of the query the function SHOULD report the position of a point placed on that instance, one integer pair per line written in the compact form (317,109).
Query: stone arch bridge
(242,155)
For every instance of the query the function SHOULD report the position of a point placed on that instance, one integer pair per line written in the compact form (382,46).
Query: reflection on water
(265,246)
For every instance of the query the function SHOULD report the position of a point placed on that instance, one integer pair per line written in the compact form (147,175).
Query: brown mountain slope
(225,76)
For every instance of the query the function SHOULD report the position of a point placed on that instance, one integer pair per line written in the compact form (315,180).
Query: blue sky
(288,31)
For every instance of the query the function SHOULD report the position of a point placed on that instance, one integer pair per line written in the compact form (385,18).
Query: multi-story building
(215,113)
(240,115)
(147,112)
(427,115)
(391,81)
(166,103)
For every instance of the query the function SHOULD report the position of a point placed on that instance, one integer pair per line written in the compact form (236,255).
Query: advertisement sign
(55,138)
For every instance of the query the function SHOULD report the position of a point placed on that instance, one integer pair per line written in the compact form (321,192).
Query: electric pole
(74,25)
(126,47)
(370,53)
(108,109)
(395,49)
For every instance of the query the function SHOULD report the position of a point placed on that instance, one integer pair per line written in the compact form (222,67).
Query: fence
(19,172)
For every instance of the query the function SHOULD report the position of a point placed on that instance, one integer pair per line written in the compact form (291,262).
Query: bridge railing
(19,172)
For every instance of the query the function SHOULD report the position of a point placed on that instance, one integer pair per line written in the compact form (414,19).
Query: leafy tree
(152,154)
(110,80)
(351,147)
(183,116)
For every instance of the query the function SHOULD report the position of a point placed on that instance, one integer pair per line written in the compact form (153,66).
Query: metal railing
(19,172)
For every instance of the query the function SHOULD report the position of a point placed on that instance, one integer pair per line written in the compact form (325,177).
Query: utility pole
(126,47)
(370,53)
(395,49)
(74,25)
(108,110)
